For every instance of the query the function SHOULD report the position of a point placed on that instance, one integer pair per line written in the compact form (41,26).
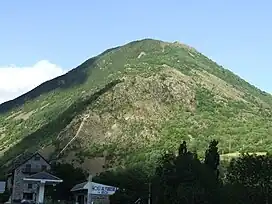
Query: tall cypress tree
(212,157)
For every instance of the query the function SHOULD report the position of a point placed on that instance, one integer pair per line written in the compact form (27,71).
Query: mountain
(130,103)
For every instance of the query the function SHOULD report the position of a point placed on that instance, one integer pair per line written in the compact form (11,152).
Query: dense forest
(181,177)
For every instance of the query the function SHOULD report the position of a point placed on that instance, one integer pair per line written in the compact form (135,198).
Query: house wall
(96,199)
(101,199)
(19,185)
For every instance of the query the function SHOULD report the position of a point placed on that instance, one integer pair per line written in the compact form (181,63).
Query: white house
(99,194)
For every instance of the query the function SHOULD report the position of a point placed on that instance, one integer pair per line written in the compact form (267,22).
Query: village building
(100,193)
(28,179)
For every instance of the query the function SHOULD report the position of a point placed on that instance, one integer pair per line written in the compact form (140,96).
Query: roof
(97,188)
(2,186)
(43,176)
(79,186)
(28,158)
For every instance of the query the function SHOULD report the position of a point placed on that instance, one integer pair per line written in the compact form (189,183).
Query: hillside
(132,102)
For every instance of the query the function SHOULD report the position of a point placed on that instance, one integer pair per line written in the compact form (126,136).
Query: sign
(100,189)
(2,186)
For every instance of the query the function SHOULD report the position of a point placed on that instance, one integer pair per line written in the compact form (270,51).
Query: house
(99,194)
(27,180)
(41,179)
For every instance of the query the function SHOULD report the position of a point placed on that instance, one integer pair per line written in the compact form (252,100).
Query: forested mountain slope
(130,103)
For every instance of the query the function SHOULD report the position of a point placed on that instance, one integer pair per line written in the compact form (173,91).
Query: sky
(40,40)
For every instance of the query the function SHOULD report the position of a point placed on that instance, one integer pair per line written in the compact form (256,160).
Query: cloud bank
(15,81)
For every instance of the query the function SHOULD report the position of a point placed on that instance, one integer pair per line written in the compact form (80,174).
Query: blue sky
(236,34)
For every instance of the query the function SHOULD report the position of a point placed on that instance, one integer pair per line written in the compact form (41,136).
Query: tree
(253,174)
(123,196)
(184,179)
(70,176)
(183,148)
(4,196)
(164,176)
(212,157)
(132,183)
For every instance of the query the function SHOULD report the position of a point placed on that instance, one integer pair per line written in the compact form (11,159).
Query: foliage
(183,178)
(4,197)
(70,176)
(212,157)
(132,184)
(250,178)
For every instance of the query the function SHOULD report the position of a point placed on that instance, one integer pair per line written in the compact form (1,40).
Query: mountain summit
(130,103)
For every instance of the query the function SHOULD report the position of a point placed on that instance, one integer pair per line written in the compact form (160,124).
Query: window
(44,167)
(28,196)
(28,167)
(29,186)
(37,158)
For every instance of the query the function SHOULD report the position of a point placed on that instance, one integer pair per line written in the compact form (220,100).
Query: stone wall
(19,185)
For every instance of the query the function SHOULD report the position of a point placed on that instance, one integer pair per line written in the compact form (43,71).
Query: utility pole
(149,193)
(89,194)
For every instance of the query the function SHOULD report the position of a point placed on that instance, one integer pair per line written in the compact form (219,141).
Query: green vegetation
(71,176)
(183,178)
(180,178)
(138,100)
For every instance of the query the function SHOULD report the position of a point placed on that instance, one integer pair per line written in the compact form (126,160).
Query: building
(99,195)
(26,181)
(41,179)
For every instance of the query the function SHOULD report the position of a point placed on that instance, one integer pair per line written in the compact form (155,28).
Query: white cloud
(15,81)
